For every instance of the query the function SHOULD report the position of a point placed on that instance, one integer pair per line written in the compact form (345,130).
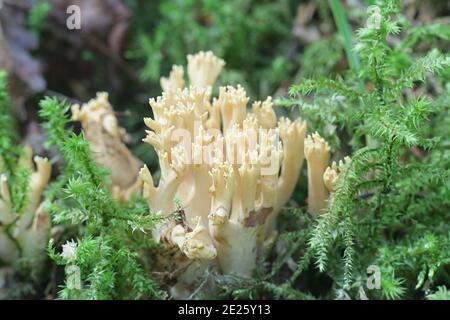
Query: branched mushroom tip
(317,153)
(222,189)
(28,230)
(331,174)
(175,79)
(204,68)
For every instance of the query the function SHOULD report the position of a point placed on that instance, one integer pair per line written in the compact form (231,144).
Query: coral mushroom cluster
(232,170)
(106,138)
(225,173)
(24,234)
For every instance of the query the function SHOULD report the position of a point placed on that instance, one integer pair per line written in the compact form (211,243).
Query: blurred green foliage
(37,15)
(253,37)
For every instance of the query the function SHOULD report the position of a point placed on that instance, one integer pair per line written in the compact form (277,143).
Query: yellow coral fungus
(222,162)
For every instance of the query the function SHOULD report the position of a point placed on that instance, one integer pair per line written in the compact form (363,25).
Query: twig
(200,286)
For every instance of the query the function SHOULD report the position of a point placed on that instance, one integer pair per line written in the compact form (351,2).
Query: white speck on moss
(69,250)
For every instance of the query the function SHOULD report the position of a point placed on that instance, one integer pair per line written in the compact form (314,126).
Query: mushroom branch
(106,141)
(24,234)
(317,152)
(331,174)
(232,170)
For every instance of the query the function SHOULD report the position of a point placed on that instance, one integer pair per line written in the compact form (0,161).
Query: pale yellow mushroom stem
(317,154)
